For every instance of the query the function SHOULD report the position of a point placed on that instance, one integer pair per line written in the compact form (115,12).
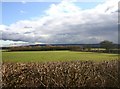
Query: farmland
(43,56)
(63,69)
(61,74)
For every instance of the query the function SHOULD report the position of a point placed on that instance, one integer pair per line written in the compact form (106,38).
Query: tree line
(108,46)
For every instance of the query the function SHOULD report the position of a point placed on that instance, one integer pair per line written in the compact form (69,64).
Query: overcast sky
(59,22)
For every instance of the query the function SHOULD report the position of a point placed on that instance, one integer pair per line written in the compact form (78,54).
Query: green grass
(43,56)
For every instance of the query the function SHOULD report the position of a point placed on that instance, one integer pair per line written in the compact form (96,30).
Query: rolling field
(45,56)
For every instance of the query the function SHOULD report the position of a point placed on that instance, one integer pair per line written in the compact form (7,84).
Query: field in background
(43,56)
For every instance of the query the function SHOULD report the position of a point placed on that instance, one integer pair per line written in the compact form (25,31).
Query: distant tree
(107,45)
(87,47)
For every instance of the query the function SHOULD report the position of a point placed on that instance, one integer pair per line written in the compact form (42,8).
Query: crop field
(45,56)
(63,69)
(73,74)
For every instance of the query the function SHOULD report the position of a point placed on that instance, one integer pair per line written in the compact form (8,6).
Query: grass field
(43,56)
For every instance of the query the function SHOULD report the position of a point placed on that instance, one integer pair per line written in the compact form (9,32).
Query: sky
(63,22)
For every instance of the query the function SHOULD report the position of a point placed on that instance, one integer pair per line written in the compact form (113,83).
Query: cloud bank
(67,23)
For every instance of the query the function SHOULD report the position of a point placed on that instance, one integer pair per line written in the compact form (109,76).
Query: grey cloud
(94,29)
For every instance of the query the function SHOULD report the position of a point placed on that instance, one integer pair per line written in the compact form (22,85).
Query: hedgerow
(61,74)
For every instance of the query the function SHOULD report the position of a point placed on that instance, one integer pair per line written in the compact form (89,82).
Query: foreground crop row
(61,74)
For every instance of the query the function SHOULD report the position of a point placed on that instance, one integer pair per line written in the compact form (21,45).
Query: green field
(43,56)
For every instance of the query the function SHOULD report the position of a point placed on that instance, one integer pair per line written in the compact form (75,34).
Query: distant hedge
(54,48)
(115,51)
(44,48)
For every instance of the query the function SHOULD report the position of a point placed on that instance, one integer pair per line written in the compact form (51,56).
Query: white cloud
(63,9)
(23,2)
(67,23)
(23,12)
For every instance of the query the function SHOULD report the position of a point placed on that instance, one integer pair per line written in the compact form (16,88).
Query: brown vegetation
(44,48)
(61,74)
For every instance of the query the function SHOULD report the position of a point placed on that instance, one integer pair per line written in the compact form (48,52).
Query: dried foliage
(61,74)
